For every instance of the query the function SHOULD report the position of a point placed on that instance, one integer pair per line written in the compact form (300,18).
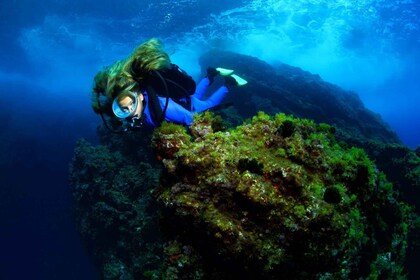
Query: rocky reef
(115,213)
(291,90)
(318,187)
(276,197)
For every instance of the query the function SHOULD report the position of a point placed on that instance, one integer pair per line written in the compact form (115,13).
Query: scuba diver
(147,89)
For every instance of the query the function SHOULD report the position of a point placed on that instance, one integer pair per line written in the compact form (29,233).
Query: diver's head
(128,104)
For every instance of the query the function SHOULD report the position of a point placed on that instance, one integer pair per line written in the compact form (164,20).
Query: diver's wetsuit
(178,114)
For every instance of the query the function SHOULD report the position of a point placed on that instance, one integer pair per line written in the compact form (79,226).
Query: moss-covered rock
(115,212)
(274,198)
(291,90)
(401,166)
(278,197)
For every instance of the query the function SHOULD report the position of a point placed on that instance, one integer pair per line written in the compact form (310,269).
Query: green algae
(279,190)
(276,197)
(115,213)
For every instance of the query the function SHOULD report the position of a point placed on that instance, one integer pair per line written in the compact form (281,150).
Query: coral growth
(277,196)
(115,212)
(291,90)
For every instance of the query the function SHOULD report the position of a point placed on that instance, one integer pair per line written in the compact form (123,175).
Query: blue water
(50,50)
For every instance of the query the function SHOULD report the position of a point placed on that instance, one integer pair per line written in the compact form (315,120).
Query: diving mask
(125,112)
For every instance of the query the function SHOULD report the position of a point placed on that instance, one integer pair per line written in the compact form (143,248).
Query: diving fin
(224,72)
(239,80)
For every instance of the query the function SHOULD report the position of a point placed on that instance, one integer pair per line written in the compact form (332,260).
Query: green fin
(239,80)
(224,72)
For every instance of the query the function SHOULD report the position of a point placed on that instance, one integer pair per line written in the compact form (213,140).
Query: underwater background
(50,52)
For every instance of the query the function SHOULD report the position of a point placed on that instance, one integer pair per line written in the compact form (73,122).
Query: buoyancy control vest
(172,83)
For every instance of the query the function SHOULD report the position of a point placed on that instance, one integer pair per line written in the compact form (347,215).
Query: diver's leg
(214,100)
(201,88)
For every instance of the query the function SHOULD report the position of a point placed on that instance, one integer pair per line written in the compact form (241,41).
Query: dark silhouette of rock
(291,90)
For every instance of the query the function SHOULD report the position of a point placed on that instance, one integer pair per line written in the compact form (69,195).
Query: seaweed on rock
(276,197)
(115,212)
(258,201)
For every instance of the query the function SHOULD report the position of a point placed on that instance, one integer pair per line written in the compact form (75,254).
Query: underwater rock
(291,90)
(401,166)
(274,198)
(114,210)
(255,204)
(286,89)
